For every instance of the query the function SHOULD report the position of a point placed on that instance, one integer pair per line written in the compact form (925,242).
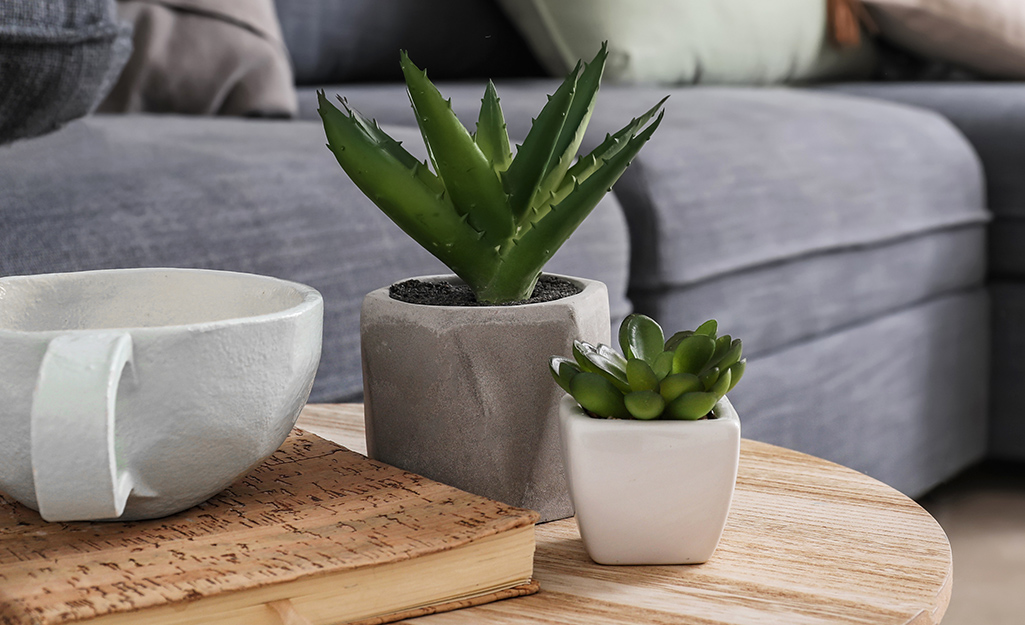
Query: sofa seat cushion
(255,196)
(992,117)
(793,212)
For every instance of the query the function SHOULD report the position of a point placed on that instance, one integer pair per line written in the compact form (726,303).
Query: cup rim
(311,299)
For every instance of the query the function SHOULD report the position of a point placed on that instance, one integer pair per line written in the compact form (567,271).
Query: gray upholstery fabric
(1007,430)
(264,197)
(58,59)
(901,397)
(359,40)
(785,303)
(992,117)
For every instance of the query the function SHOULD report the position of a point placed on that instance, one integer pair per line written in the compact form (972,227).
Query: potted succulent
(647,488)
(452,391)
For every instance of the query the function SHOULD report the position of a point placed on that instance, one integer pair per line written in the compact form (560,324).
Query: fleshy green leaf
(708,377)
(563,370)
(663,364)
(722,384)
(692,353)
(708,328)
(640,376)
(598,395)
(589,359)
(679,383)
(736,372)
(675,339)
(691,406)
(641,337)
(644,405)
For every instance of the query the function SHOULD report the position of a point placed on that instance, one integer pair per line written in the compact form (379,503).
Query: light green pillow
(690,41)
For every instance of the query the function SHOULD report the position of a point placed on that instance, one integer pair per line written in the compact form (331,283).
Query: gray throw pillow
(58,59)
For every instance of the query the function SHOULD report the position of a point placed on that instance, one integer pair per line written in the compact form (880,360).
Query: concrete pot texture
(650,492)
(463,395)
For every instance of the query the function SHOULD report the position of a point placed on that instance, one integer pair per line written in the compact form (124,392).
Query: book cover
(316,534)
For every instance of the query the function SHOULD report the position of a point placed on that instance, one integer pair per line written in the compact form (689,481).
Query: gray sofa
(841,231)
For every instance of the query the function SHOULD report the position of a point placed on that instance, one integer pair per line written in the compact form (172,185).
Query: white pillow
(689,41)
(987,36)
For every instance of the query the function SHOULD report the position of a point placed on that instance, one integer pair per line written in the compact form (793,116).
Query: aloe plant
(493,217)
(679,378)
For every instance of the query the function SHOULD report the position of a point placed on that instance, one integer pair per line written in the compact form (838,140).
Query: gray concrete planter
(463,395)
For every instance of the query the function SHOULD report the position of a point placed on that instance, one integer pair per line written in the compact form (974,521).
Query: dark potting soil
(414,291)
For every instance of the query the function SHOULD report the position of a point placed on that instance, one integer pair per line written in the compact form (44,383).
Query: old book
(316,534)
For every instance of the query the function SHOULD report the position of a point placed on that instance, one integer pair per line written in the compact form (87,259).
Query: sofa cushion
(992,117)
(256,196)
(902,397)
(58,59)
(690,41)
(982,35)
(359,40)
(204,57)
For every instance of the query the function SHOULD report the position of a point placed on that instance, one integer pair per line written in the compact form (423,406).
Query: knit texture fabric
(58,60)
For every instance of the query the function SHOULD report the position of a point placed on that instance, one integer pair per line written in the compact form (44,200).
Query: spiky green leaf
(492,137)
(474,187)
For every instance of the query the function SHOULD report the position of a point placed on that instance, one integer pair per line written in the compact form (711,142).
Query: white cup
(136,393)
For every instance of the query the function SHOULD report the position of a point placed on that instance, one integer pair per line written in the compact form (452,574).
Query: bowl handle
(74,462)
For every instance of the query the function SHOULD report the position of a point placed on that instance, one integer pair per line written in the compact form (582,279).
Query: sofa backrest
(359,40)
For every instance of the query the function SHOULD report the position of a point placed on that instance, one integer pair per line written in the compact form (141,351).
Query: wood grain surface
(807,542)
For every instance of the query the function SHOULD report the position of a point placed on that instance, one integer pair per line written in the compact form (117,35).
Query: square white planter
(650,492)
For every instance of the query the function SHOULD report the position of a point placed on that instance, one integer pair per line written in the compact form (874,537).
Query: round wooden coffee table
(807,542)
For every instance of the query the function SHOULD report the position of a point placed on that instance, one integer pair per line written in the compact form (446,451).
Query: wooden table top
(806,542)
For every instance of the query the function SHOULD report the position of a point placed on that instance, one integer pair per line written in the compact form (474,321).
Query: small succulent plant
(494,218)
(680,378)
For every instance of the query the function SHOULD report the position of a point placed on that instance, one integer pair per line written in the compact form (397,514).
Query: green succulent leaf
(492,137)
(542,238)
(722,385)
(675,339)
(596,394)
(612,144)
(641,337)
(708,328)
(679,383)
(663,364)
(692,353)
(736,372)
(730,356)
(390,178)
(589,359)
(692,406)
(471,181)
(644,405)
(612,356)
(530,165)
(563,370)
(709,377)
(640,376)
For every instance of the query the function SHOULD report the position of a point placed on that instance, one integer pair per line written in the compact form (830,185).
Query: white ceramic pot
(463,395)
(650,492)
(136,393)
